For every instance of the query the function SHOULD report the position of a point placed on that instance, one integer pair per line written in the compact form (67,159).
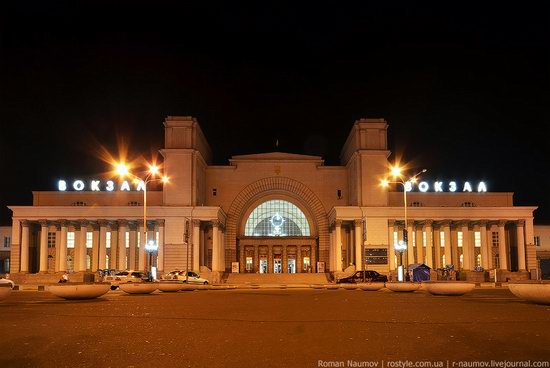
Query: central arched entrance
(276,236)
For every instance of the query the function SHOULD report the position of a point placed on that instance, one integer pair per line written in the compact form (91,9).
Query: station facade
(274,213)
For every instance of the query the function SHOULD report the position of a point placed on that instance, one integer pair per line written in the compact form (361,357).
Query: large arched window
(277,218)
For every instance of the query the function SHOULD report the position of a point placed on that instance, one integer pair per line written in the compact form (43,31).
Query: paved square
(269,328)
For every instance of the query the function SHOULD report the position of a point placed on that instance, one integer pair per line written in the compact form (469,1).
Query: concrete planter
(332,287)
(139,287)
(448,287)
(79,290)
(316,286)
(406,287)
(349,286)
(536,292)
(371,286)
(5,291)
(184,287)
(169,286)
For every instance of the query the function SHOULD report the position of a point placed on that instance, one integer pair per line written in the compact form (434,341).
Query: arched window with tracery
(277,218)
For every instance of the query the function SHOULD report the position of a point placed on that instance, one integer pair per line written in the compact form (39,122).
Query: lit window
(442,239)
(127,239)
(108,240)
(138,239)
(459,235)
(537,241)
(461,260)
(89,239)
(424,239)
(414,238)
(70,239)
(277,218)
(443,260)
(7,241)
(477,239)
(395,238)
(478,260)
(157,238)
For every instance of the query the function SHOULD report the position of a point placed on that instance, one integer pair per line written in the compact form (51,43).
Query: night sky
(464,88)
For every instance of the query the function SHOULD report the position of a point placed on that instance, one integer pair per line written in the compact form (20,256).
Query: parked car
(192,277)
(363,276)
(7,281)
(122,277)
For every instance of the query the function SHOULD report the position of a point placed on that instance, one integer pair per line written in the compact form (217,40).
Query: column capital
(160,222)
(83,223)
(216,223)
(139,222)
(196,222)
(63,223)
(357,222)
(43,223)
(520,223)
(122,222)
(410,223)
(391,222)
(482,223)
(103,223)
(132,225)
(338,222)
(445,223)
(502,222)
(429,222)
(25,223)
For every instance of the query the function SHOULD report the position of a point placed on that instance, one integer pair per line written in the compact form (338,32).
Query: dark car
(363,276)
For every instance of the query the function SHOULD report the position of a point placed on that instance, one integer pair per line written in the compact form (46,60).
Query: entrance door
(249,264)
(291,267)
(263,264)
(277,264)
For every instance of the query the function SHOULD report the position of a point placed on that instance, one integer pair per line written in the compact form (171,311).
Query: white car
(192,277)
(123,277)
(7,281)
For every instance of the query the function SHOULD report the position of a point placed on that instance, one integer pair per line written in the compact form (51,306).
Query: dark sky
(464,87)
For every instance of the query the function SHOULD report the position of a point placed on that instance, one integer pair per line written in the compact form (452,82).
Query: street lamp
(153,174)
(396,173)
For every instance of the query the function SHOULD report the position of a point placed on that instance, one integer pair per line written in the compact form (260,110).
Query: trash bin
(89,277)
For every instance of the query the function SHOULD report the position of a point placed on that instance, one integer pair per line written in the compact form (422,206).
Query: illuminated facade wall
(308,217)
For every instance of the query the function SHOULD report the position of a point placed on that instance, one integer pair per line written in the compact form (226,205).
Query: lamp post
(398,178)
(122,170)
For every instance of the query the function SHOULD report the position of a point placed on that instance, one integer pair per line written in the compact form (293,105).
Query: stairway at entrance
(277,278)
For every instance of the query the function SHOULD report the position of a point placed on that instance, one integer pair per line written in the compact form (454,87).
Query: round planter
(79,290)
(448,287)
(332,287)
(184,287)
(371,286)
(316,286)
(533,292)
(5,291)
(349,286)
(403,287)
(139,287)
(169,286)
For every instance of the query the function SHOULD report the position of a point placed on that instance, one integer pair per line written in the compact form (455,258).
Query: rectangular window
(459,235)
(395,238)
(108,239)
(442,239)
(127,239)
(157,237)
(89,239)
(537,241)
(7,241)
(424,239)
(51,239)
(495,238)
(477,239)
(414,238)
(138,239)
(70,239)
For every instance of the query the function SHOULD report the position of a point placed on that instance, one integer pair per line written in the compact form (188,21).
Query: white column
(338,224)
(359,261)
(429,243)
(80,250)
(133,248)
(141,250)
(43,246)
(467,249)
(521,245)
(485,251)
(63,247)
(216,246)
(502,248)
(391,251)
(196,244)
(102,244)
(410,246)
(448,251)
(95,248)
(160,256)
(25,246)
(203,249)
(331,250)
(221,239)
(122,229)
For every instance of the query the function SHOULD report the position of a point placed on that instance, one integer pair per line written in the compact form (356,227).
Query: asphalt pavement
(272,328)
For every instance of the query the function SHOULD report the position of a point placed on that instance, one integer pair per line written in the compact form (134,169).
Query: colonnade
(124,247)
